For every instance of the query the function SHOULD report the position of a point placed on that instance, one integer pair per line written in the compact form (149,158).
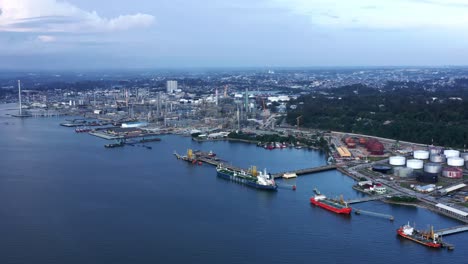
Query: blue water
(64,198)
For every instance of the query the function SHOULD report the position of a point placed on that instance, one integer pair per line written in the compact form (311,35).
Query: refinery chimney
(19,97)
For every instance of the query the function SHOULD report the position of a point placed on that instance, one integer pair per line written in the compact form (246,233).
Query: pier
(452,230)
(198,156)
(305,171)
(363,212)
(366,199)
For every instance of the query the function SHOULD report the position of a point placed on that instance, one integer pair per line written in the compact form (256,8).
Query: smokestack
(19,96)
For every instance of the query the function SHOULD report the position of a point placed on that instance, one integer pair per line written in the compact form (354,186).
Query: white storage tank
(397,161)
(455,162)
(433,168)
(451,153)
(421,154)
(438,158)
(415,164)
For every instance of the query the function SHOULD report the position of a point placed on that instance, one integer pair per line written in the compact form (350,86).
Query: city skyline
(83,34)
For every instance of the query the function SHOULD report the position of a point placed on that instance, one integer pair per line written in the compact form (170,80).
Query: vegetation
(318,141)
(416,114)
(404,199)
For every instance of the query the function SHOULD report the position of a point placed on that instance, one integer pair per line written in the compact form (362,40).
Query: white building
(171,86)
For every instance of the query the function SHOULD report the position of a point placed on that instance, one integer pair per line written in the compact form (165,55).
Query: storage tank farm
(428,165)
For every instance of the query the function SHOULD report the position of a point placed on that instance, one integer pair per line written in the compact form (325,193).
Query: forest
(412,112)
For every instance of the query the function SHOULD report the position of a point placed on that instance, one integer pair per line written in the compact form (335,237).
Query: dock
(363,212)
(452,230)
(305,171)
(366,199)
(199,156)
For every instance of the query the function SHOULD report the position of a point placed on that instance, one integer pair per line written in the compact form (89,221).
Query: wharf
(366,199)
(206,158)
(452,230)
(306,171)
(203,157)
(363,212)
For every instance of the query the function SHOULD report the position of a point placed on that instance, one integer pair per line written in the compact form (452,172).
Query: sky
(122,34)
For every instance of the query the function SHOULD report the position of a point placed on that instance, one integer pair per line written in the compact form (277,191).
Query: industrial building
(171,86)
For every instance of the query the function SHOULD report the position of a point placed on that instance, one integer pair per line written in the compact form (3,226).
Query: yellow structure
(254,170)
(189,154)
(343,152)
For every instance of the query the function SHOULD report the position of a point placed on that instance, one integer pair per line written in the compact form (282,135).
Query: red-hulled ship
(339,207)
(429,239)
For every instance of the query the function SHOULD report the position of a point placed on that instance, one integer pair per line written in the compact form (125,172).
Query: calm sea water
(64,198)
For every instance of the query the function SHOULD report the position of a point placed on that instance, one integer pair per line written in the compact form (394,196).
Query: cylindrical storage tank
(455,162)
(415,164)
(421,154)
(435,150)
(451,172)
(397,161)
(351,145)
(403,172)
(382,168)
(428,177)
(349,140)
(362,141)
(438,158)
(433,168)
(451,153)
(370,141)
(376,148)
(464,156)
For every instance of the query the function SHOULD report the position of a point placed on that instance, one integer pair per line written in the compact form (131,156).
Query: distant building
(171,86)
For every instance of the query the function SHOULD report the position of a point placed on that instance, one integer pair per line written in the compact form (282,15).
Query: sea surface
(64,198)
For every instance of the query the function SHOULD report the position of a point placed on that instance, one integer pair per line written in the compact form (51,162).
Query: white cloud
(46,38)
(382,14)
(61,16)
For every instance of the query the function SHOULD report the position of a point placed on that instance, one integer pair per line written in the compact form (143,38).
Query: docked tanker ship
(339,207)
(429,239)
(252,178)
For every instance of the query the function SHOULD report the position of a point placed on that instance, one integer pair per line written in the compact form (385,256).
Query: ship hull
(246,182)
(425,243)
(328,207)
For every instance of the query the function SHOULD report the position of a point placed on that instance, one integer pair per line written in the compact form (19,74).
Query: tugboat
(339,207)
(429,239)
(251,178)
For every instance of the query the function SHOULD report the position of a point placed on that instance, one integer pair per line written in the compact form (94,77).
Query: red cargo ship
(428,239)
(339,207)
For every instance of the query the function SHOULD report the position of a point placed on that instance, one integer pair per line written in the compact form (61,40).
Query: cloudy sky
(91,34)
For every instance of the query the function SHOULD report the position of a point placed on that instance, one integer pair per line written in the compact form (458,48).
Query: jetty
(366,199)
(204,157)
(363,212)
(452,230)
(305,171)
